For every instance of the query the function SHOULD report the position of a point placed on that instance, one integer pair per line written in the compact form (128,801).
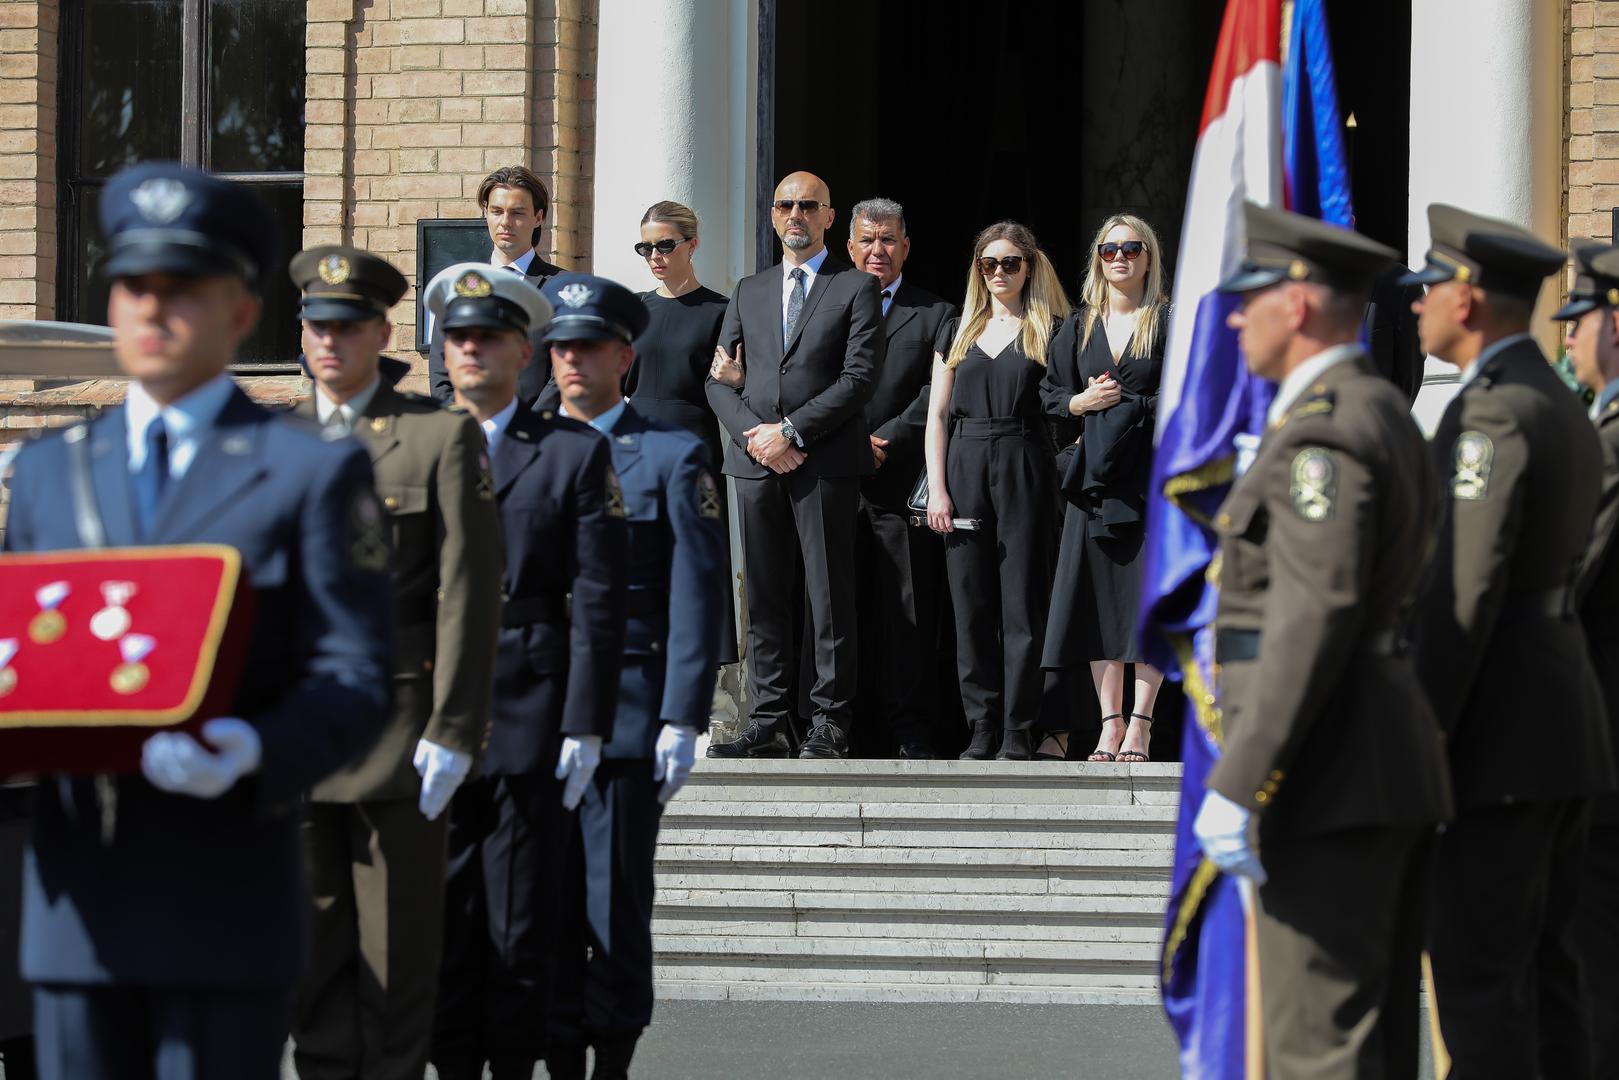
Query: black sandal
(1103,755)
(1136,757)
(1060,738)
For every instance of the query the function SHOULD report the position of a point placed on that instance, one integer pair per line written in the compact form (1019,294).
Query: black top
(666,381)
(1007,384)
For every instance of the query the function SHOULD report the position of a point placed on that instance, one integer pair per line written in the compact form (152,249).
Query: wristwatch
(790,432)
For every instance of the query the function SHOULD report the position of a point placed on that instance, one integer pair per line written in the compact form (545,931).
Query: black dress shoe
(826,741)
(1016,746)
(756,741)
(982,748)
(613,1058)
(565,1061)
(917,751)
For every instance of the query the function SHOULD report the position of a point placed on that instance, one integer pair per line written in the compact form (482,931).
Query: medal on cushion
(112,622)
(8,674)
(49,625)
(131,676)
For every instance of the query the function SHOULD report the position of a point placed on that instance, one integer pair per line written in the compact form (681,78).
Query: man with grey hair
(901,567)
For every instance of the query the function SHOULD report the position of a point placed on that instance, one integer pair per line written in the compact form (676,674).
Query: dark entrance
(1055,114)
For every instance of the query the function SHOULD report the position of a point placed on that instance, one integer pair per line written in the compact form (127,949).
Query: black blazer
(532,382)
(562,517)
(898,409)
(822,379)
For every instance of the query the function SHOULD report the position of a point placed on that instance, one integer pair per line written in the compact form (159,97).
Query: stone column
(1486,132)
(675,94)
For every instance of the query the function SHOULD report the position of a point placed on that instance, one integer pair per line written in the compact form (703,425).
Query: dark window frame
(72,188)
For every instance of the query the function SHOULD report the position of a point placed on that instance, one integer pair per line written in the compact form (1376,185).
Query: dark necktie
(154,475)
(888,294)
(795,305)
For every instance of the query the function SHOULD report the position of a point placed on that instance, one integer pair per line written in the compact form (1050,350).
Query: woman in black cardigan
(1102,379)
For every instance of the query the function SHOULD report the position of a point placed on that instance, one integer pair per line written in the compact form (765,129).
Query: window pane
(275,341)
(256,86)
(129,91)
(92,287)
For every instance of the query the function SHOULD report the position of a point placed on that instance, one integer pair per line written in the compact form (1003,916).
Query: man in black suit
(902,568)
(807,336)
(514,203)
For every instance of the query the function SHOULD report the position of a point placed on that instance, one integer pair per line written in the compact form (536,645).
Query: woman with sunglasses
(666,378)
(990,482)
(1104,369)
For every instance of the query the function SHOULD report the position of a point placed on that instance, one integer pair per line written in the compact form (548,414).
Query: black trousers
(1340,953)
(159,1033)
(901,602)
(1502,937)
(508,844)
(785,518)
(1000,574)
(1597,930)
(604,973)
(365,1005)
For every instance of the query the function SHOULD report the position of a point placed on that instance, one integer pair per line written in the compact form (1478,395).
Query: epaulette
(1321,402)
(462,409)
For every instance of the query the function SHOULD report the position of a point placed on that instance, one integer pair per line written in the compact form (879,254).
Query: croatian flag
(1208,403)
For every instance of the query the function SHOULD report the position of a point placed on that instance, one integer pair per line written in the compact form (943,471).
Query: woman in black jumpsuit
(990,463)
(672,356)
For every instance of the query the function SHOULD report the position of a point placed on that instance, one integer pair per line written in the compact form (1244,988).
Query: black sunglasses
(1011,264)
(662,247)
(1131,249)
(805,206)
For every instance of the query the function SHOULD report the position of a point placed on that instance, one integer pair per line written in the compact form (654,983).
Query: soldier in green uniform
(1503,660)
(1332,774)
(374,832)
(1592,312)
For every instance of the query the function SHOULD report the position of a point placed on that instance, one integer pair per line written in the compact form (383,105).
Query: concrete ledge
(903,993)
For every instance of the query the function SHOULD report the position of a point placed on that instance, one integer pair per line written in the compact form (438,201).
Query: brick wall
(1593,117)
(28,63)
(411,103)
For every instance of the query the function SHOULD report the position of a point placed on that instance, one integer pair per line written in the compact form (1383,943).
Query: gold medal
(113,621)
(130,678)
(46,627)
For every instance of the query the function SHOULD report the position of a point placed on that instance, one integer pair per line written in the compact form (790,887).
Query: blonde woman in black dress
(1103,371)
(989,461)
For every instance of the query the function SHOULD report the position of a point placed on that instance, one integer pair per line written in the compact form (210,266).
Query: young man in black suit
(902,567)
(798,358)
(514,203)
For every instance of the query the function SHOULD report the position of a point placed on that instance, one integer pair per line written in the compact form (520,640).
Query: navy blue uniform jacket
(676,560)
(563,520)
(194,892)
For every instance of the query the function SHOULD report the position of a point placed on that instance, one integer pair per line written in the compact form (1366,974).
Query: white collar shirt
(187,421)
(811,268)
(494,428)
(606,421)
(1299,380)
(889,292)
(351,410)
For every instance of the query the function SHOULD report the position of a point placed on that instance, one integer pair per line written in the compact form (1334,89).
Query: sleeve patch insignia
(486,486)
(615,496)
(1315,483)
(708,495)
(368,537)
(1473,458)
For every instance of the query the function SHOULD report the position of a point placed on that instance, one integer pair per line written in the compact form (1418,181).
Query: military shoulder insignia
(1472,459)
(368,537)
(708,495)
(615,496)
(379,424)
(1320,405)
(1315,483)
(333,269)
(473,283)
(486,485)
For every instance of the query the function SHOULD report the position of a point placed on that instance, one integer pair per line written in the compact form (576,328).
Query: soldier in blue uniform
(556,683)
(676,557)
(163,912)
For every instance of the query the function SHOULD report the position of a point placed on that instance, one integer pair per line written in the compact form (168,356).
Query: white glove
(576,765)
(672,758)
(442,771)
(1227,833)
(175,762)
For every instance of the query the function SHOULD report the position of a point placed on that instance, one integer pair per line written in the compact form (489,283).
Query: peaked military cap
(1596,282)
(159,217)
(1496,256)
(345,283)
(590,308)
(474,294)
(1283,246)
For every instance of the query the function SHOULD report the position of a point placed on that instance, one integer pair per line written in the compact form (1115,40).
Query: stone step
(1024,871)
(904,993)
(919,825)
(1125,965)
(978,917)
(999,782)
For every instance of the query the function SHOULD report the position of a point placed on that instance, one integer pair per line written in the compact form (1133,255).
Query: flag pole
(1253,1010)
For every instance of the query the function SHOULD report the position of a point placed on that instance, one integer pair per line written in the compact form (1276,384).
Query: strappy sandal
(1059,739)
(1103,755)
(1136,757)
